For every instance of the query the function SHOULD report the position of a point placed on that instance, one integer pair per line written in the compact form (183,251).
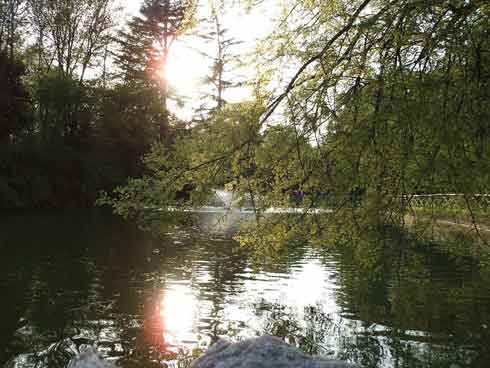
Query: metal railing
(449,201)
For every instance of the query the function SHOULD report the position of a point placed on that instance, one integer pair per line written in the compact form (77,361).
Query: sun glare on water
(178,315)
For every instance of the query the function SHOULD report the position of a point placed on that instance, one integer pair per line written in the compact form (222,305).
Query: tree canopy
(388,99)
(356,106)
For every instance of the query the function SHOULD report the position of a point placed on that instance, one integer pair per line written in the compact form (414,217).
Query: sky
(187,67)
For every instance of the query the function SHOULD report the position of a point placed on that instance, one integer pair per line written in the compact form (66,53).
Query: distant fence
(449,200)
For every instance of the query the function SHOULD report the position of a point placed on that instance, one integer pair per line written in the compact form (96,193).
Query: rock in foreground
(89,359)
(263,352)
(266,351)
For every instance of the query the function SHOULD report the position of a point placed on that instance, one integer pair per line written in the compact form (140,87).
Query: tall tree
(145,47)
(72,35)
(14,99)
(220,43)
(12,18)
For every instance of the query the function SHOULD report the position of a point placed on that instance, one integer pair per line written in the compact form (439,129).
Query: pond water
(72,279)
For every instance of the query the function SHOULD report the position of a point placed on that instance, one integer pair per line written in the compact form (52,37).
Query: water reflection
(81,279)
(178,310)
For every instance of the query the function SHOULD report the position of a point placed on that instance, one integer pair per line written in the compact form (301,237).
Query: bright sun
(186,69)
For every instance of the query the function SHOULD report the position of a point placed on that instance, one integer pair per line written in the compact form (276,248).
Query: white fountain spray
(225,197)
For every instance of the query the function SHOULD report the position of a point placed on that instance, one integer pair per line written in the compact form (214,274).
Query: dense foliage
(356,107)
(72,125)
(389,99)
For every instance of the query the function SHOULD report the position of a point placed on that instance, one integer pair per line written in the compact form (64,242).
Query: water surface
(72,279)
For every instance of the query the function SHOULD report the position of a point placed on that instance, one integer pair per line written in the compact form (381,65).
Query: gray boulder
(263,352)
(266,352)
(89,359)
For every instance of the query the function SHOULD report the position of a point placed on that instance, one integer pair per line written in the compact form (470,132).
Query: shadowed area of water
(71,279)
